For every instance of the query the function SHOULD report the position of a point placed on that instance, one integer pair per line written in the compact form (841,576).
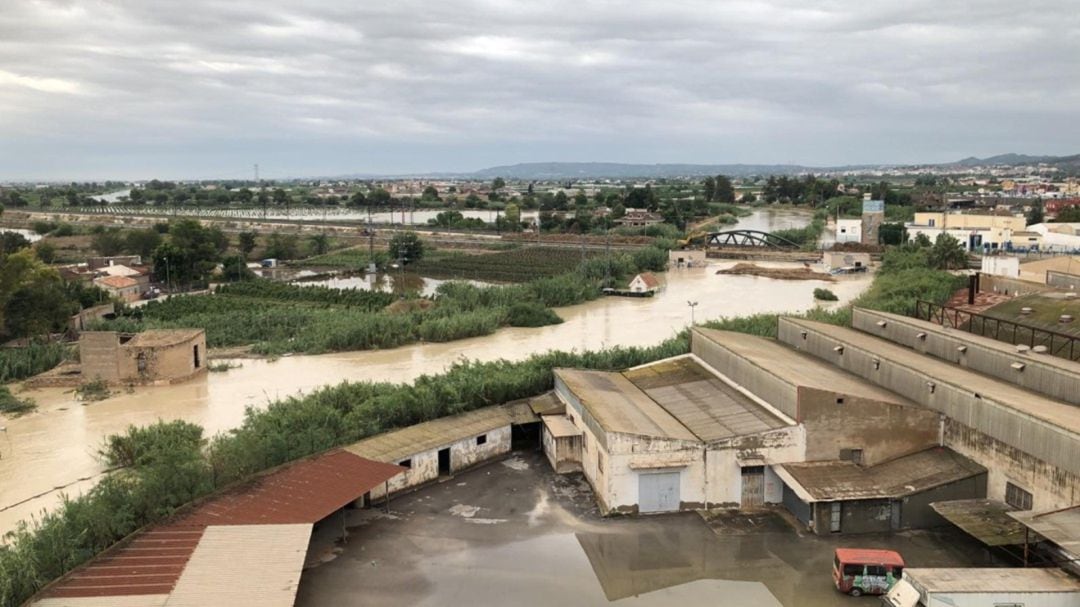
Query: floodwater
(53,449)
(389,282)
(513,532)
(29,235)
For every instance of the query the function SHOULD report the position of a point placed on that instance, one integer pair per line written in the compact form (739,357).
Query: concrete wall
(884,431)
(630,456)
(684,257)
(1009,286)
(724,470)
(849,230)
(463,454)
(763,384)
(915,510)
(1050,486)
(1026,438)
(99,355)
(1061,280)
(1042,374)
(1001,266)
(840,259)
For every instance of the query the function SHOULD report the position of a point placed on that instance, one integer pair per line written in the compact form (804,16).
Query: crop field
(517,265)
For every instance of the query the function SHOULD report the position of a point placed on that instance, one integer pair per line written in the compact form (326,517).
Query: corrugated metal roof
(144,600)
(701,401)
(843,480)
(149,564)
(242,565)
(620,406)
(397,445)
(1059,526)
(986,520)
(992,579)
(302,493)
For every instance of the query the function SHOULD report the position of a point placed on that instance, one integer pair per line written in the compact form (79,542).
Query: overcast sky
(194,88)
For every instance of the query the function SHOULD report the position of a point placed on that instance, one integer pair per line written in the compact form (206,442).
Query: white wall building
(849,230)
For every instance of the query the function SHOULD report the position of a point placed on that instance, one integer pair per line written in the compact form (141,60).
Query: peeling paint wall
(724,470)
(883,431)
(463,454)
(1051,487)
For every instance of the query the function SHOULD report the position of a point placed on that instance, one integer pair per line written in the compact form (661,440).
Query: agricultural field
(517,265)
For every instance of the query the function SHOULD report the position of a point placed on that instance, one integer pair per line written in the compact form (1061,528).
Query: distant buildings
(636,218)
(976,232)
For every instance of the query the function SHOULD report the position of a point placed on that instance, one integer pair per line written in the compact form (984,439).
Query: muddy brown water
(52,450)
(515,533)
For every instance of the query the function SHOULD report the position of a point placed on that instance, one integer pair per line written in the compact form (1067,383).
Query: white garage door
(658,492)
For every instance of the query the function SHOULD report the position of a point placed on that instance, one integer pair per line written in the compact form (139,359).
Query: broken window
(856,456)
(140,362)
(480,440)
(1017,497)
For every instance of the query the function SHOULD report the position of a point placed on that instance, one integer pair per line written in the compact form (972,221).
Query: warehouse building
(1028,441)
(442,447)
(681,434)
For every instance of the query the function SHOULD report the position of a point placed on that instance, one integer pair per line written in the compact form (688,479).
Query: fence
(1058,344)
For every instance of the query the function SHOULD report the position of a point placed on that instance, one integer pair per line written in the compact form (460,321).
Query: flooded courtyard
(514,532)
(52,450)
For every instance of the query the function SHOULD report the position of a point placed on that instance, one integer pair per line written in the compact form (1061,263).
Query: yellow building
(975,232)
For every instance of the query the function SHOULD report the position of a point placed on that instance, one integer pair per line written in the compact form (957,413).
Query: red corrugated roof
(869,556)
(304,492)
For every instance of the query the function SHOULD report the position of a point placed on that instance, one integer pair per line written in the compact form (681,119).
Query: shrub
(825,295)
(13,405)
(20,363)
(531,314)
(93,390)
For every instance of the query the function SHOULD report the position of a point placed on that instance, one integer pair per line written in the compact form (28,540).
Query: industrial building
(976,232)
(682,434)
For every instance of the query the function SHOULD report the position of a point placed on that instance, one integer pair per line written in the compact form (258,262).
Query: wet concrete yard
(513,532)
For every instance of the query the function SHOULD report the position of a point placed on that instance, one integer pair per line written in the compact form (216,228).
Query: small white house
(849,230)
(646,282)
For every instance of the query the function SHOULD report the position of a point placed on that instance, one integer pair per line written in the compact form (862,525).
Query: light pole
(692,304)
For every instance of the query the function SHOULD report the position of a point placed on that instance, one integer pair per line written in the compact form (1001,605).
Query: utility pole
(692,304)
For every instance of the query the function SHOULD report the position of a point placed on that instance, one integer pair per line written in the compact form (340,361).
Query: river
(54,447)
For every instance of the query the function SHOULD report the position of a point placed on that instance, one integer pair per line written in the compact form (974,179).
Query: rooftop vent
(839,350)
(877,364)
(1025,310)
(1070,295)
(803,333)
(1018,366)
(961,349)
(1022,349)
(1065,318)
(932,386)
(921,335)
(882,324)
(1040,350)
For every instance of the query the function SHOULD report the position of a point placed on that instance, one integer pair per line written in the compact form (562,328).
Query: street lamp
(692,304)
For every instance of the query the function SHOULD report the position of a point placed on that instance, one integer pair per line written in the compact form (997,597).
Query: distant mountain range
(614,170)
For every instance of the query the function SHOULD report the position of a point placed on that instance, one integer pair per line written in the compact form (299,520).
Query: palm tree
(947,253)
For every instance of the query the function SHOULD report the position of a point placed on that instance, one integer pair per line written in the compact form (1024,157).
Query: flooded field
(514,532)
(53,449)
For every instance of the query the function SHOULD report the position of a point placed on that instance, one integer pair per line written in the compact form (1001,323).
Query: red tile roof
(302,492)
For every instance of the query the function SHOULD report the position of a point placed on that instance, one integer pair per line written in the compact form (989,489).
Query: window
(584,442)
(480,440)
(853,569)
(875,570)
(840,401)
(406,463)
(1017,497)
(600,462)
(856,456)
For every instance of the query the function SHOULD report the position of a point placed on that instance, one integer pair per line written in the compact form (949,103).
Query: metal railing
(1058,344)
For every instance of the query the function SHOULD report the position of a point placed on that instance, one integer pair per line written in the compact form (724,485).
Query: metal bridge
(748,238)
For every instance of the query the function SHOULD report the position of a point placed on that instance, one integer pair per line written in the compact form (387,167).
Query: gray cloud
(139,88)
